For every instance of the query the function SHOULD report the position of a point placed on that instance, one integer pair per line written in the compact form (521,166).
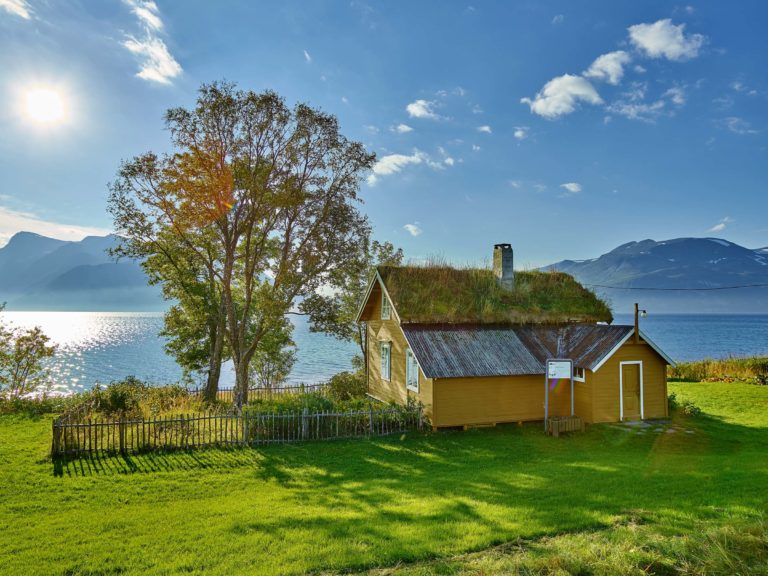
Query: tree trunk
(214,363)
(241,383)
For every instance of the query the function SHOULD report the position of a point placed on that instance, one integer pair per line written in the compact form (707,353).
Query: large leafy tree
(261,196)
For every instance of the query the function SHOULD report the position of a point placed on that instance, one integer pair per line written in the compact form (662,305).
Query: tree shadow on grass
(422,496)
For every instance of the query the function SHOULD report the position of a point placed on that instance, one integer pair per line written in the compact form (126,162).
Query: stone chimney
(503,265)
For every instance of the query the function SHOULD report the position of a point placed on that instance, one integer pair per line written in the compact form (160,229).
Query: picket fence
(74,436)
(261,393)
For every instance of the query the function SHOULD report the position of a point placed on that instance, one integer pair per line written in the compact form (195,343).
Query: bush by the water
(753,370)
(131,398)
(36,405)
(348,386)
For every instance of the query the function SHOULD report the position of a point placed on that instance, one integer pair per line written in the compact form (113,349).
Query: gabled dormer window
(386,309)
(578,374)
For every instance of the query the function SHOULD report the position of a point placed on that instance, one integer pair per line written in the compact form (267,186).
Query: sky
(563,128)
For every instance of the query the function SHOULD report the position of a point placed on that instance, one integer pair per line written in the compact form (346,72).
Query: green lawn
(362,504)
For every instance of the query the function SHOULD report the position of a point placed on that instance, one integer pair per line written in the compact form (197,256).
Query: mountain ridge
(41,273)
(677,276)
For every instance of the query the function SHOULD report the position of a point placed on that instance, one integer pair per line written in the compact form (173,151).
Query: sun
(44,106)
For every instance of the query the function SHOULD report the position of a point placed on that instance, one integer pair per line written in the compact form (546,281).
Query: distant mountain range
(673,264)
(40,273)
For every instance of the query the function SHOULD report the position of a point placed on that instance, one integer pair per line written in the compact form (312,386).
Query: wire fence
(73,436)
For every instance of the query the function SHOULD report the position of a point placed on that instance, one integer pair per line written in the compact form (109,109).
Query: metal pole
(546,395)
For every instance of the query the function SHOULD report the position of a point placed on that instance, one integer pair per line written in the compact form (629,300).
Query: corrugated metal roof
(455,351)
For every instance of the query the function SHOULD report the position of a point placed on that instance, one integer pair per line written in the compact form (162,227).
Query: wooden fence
(260,393)
(73,437)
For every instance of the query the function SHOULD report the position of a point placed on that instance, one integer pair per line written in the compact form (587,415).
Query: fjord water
(97,347)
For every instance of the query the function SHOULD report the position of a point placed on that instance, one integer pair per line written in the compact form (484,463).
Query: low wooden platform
(558,424)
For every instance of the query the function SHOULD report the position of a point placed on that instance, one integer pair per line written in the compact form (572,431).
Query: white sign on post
(558,371)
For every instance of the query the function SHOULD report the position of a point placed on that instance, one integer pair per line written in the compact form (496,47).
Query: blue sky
(564,128)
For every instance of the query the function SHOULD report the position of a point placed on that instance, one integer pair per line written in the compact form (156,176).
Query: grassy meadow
(687,497)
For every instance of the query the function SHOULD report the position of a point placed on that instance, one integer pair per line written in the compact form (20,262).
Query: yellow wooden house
(472,344)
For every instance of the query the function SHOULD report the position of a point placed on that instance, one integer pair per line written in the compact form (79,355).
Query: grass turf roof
(439,293)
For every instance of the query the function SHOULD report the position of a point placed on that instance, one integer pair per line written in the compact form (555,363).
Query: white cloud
(572,187)
(635,110)
(485,129)
(413,229)
(403,129)
(739,125)
(663,39)
(720,226)
(147,12)
(515,184)
(307,57)
(640,69)
(676,95)
(421,109)
(18,8)
(371,129)
(521,132)
(609,67)
(561,95)
(449,161)
(12,221)
(558,19)
(158,64)
(344,100)
(632,104)
(475,148)
(394,163)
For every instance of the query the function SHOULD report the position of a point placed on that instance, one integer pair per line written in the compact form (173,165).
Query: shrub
(132,398)
(685,407)
(347,386)
(759,367)
(36,405)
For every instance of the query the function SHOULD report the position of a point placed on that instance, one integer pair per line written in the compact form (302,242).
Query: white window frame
(411,364)
(583,376)
(621,388)
(388,347)
(386,307)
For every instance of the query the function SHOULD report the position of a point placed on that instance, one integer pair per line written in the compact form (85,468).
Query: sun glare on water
(44,106)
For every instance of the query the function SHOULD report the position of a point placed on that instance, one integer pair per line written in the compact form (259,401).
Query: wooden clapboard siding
(605,383)
(468,401)
(379,331)
(583,397)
